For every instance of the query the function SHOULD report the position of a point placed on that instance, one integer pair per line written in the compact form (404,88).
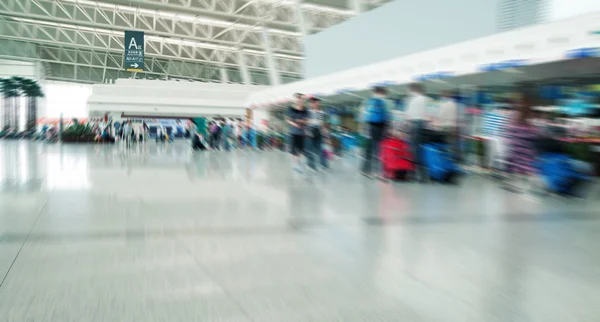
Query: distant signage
(583,53)
(386,83)
(346,90)
(134,51)
(514,63)
(433,76)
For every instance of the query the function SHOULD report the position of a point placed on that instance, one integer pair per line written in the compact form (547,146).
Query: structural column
(224,75)
(273,74)
(300,18)
(357,6)
(243,68)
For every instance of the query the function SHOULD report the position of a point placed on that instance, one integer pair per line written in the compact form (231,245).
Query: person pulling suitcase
(376,118)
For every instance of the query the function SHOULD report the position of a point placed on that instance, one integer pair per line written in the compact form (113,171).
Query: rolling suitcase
(396,159)
(560,176)
(440,164)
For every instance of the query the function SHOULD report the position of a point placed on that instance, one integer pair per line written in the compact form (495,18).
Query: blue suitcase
(439,163)
(560,176)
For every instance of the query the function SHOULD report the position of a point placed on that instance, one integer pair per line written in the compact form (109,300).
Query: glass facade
(514,14)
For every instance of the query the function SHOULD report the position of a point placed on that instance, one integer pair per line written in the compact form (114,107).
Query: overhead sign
(583,53)
(514,63)
(134,51)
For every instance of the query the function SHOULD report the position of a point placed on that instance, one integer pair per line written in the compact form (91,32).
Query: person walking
(235,134)
(218,135)
(494,131)
(227,134)
(448,121)
(315,134)
(376,115)
(416,115)
(127,133)
(522,135)
(296,118)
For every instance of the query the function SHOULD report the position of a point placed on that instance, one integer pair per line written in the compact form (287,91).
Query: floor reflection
(161,233)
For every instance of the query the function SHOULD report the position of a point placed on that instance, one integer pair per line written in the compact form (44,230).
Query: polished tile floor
(158,233)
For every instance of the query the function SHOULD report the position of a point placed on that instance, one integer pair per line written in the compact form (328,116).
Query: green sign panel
(134,51)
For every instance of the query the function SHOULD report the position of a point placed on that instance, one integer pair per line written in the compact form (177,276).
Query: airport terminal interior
(147,168)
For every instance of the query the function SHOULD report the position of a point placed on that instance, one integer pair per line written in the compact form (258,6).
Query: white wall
(170,98)
(9,68)
(258,118)
(560,9)
(396,29)
(70,99)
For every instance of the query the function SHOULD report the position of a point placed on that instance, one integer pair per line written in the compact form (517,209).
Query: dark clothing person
(217,137)
(197,143)
(376,117)
(297,144)
(314,149)
(371,151)
(314,146)
(522,149)
(297,134)
(416,136)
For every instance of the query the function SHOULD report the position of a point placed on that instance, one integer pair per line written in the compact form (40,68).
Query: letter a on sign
(132,43)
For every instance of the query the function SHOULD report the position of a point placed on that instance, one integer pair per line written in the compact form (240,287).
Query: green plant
(32,90)
(9,88)
(13,88)
(77,129)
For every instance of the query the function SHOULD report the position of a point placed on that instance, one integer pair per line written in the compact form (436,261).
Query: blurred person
(315,134)
(232,134)
(448,121)
(242,137)
(127,133)
(495,125)
(227,133)
(522,137)
(162,134)
(235,133)
(416,115)
(376,117)
(240,134)
(198,142)
(212,129)
(296,118)
(146,130)
(121,131)
(218,135)
(253,136)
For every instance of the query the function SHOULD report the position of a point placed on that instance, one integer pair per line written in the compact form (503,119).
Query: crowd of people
(229,134)
(308,133)
(512,133)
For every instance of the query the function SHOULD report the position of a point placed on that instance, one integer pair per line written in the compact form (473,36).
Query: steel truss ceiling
(201,40)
